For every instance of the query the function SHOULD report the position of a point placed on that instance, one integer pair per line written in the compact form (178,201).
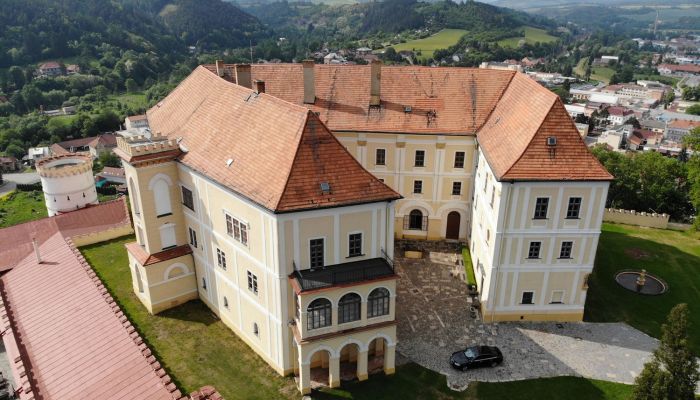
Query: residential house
(619,115)
(136,122)
(112,175)
(583,129)
(674,69)
(333,58)
(575,110)
(9,164)
(642,139)
(363,51)
(50,69)
(72,69)
(676,130)
(95,145)
(654,125)
(280,214)
(36,153)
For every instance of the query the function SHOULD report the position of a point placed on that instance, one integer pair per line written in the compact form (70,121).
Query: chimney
(36,250)
(259,86)
(375,83)
(309,82)
(243,75)
(220,67)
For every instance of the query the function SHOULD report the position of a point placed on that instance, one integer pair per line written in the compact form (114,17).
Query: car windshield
(470,353)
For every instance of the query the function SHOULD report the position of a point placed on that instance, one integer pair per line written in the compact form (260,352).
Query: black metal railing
(356,271)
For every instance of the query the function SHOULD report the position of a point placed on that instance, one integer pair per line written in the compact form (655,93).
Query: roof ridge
(300,134)
(495,104)
(126,323)
(529,142)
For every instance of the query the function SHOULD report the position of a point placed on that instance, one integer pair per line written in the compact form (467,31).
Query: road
(11,180)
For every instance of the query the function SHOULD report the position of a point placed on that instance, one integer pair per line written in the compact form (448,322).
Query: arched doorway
(375,355)
(319,365)
(348,362)
(453,220)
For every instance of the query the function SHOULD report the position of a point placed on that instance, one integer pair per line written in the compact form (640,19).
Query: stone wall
(425,246)
(631,217)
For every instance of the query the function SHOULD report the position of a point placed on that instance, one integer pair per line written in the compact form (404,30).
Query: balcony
(342,274)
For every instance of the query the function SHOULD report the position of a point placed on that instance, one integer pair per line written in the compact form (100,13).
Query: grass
(532,35)
(427,46)
(668,80)
(671,255)
(468,267)
(602,74)
(135,100)
(197,349)
(580,68)
(18,207)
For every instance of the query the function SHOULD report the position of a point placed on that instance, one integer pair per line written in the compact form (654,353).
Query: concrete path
(11,181)
(434,322)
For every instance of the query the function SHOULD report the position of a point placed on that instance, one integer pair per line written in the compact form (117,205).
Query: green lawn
(197,349)
(580,68)
(441,40)
(602,74)
(468,267)
(673,256)
(18,207)
(135,100)
(532,36)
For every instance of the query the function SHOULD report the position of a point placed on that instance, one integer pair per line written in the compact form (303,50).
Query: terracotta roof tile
(147,259)
(16,240)
(219,121)
(73,340)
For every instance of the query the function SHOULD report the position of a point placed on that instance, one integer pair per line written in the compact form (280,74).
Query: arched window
(349,308)
(319,314)
(378,303)
(161,195)
(415,220)
(134,197)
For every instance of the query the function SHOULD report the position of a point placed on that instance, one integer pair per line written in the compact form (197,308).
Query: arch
(171,273)
(412,204)
(389,341)
(161,196)
(361,346)
(379,302)
(453,225)
(139,281)
(322,347)
(349,308)
(452,206)
(319,314)
(415,220)
(159,176)
(134,194)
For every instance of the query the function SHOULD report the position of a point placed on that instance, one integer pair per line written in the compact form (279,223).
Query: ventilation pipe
(309,82)
(375,83)
(243,75)
(36,250)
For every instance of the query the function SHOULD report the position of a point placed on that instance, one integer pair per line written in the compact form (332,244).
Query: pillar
(389,354)
(334,372)
(304,378)
(362,365)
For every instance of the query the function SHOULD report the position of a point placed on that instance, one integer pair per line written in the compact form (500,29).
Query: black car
(475,357)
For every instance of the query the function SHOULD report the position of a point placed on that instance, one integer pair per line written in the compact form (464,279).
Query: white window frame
(563,296)
(221,256)
(241,223)
(252,282)
(534,208)
(325,246)
(171,227)
(375,156)
(425,158)
(362,244)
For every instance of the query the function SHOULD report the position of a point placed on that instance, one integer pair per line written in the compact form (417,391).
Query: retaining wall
(631,217)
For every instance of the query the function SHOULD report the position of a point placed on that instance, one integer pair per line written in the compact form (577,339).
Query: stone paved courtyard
(433,321)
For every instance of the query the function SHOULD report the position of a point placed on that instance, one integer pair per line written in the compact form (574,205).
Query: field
(18,207)
(197,349)
(441,40)
(672,256)
(135,100)
(602,74)
(532,35)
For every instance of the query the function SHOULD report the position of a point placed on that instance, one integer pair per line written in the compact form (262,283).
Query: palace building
(274,193)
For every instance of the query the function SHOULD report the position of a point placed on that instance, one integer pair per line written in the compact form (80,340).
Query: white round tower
(67,182)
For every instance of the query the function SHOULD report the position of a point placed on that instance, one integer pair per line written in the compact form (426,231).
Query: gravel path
(434,322)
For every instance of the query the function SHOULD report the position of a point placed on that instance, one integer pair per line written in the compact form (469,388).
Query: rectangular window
(316,253)
(541,208)
(380,158)
(456,188)
(420,158)
(566,248)
(193,237)
(459,159)
(221,258)
(493,195)
(486,182)
(557,297)
(534,251)
(574,208)
(252,282)
(355,245)
(528,298)
(237,229)
(417,186)
(187,198)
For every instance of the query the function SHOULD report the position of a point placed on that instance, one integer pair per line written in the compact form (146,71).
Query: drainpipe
(500,247)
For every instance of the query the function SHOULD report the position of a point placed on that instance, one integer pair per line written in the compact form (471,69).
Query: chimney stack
(309,82)
(220,67)
(375,83)
(259,86)
(244,76)
(36,250)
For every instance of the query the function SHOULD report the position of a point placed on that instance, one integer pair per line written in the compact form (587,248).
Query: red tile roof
(16,240)
(136,117)
(147,259)
(504,109)
(619,111)
(280,153)
(111,171)
(683,124)
(49,64)
(681,68)
(74,341)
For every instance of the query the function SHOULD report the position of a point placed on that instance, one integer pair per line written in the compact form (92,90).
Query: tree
(131,86)
(109,159)
(693,110)
(673,372)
